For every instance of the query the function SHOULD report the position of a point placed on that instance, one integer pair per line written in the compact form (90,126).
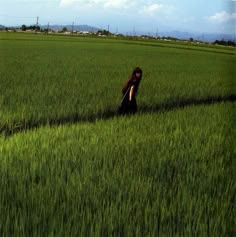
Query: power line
(32,2)
(23,17)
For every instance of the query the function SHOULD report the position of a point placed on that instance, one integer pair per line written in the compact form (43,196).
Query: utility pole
(48,28)
(108,28)
(37,23)
(157,33)
(72,28)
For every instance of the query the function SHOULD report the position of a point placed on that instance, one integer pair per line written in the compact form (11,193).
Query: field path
(109,113)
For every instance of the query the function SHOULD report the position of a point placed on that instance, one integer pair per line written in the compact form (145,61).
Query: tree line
(225,43)
(33,27)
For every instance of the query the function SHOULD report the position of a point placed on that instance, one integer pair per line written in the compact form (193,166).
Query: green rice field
(70,165)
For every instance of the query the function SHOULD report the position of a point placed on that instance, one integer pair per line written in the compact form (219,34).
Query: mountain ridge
(183,35)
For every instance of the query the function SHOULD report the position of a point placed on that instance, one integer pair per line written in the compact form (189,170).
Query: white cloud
(115,4)
(155,8)
(151,9)
(64,3)
(221,17)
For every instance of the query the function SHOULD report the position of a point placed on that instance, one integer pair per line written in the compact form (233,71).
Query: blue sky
(125,15)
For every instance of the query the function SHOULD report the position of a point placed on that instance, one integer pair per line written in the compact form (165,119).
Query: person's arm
(126,85)
(131,93)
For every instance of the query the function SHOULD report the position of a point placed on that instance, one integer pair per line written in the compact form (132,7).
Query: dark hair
(137,70)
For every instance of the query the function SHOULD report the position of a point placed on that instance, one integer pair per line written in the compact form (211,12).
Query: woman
(129,91)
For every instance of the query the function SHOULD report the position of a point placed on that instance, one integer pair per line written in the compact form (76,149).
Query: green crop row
(48,80)
(169,174)
(154,174)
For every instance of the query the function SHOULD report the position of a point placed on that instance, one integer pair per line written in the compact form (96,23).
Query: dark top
(132,81)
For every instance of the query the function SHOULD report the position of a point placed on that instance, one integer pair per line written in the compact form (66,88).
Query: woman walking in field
(129,92)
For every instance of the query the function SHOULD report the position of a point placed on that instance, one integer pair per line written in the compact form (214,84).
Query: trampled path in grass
(24,126)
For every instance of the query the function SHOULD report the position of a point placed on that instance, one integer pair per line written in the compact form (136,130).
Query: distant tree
(45,30)
(103,32)
(191,39)
(64,29)
(231,43)
(225,43)
(23,28)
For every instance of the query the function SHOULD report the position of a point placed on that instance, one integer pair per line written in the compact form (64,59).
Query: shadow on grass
(168,106)
(25,126)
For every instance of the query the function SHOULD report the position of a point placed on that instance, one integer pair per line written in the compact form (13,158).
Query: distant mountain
(186,35)
(2,27)
(208,37)
(69,27)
